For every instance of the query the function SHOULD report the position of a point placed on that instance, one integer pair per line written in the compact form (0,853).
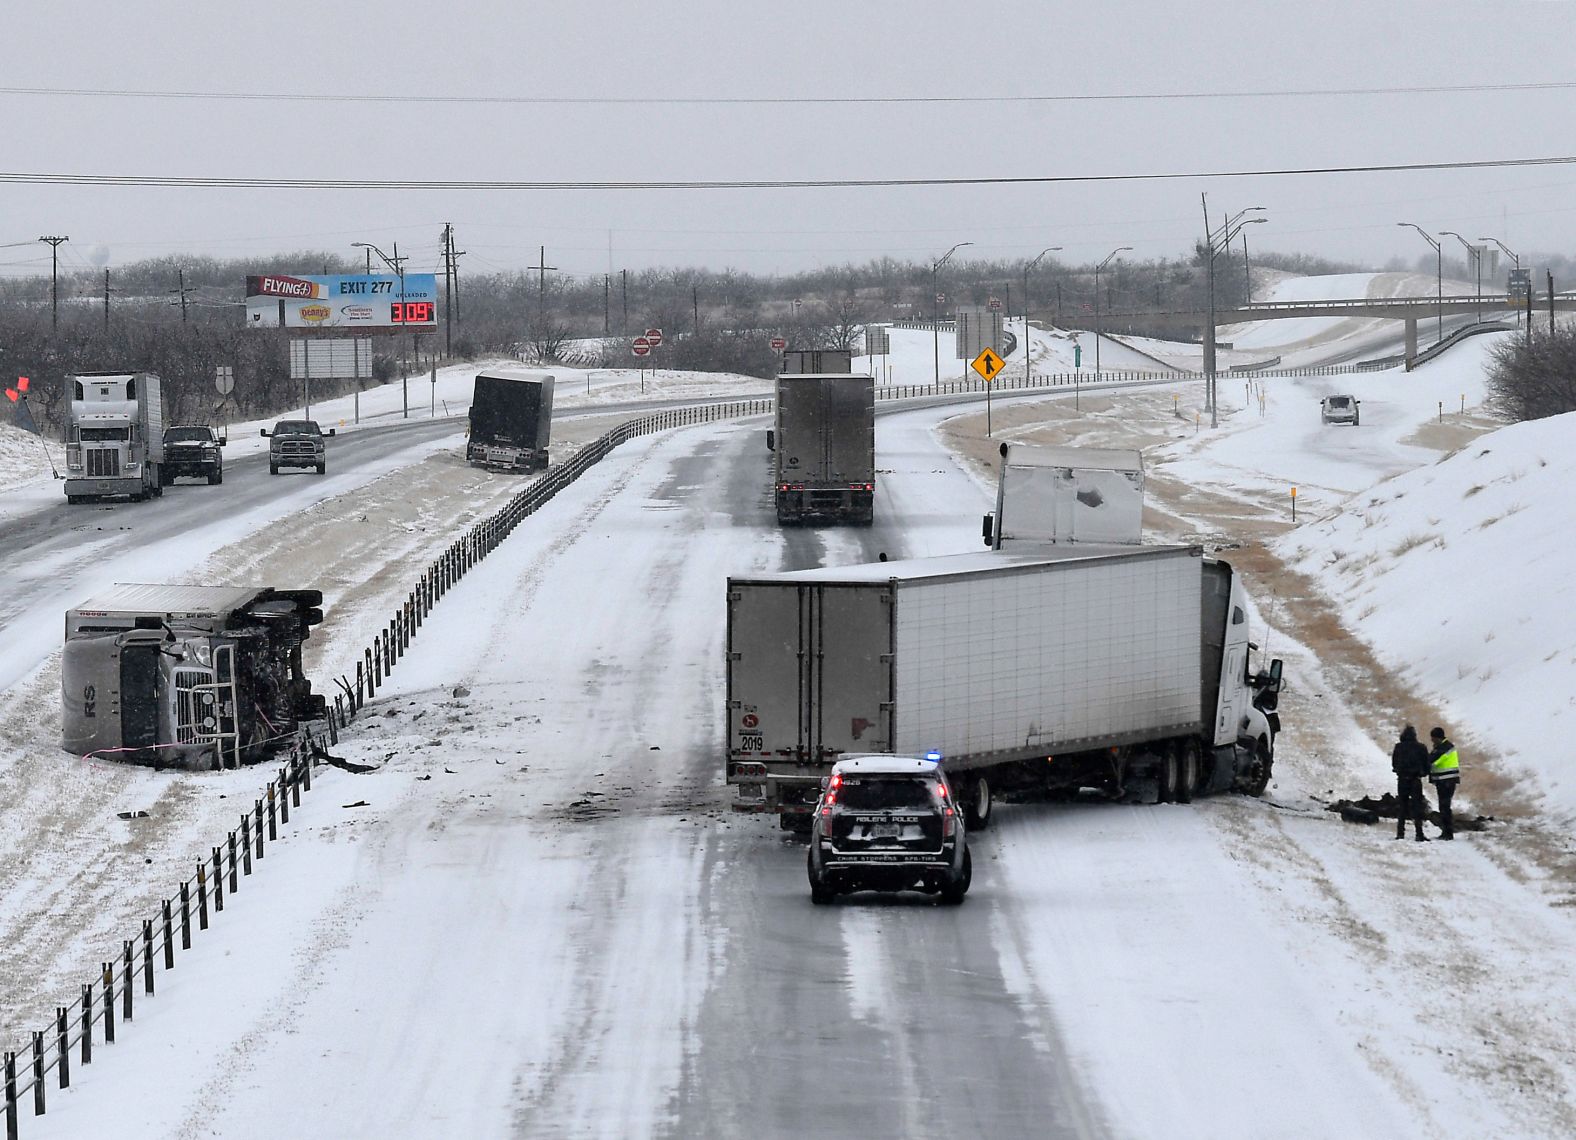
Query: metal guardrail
(1458,336)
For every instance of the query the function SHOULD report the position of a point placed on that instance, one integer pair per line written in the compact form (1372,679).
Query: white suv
(888,823)
(1340,410)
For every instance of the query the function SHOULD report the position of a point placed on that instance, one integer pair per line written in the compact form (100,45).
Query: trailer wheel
(952,894)
(1187,771)
(981,805)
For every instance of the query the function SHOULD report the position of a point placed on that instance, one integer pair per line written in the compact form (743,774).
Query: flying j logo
(282,287)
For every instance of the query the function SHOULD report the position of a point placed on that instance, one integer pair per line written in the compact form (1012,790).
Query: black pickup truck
(193,451)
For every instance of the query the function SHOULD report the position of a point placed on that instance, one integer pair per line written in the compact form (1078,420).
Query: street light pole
(1218,242)
(1515,258)
(397,264)
(1439,277)
(1026,268)
(935,307)
(1477,262)
(1097,269)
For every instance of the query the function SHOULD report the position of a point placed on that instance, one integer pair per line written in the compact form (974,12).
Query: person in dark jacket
(1409,761)
(1445,774)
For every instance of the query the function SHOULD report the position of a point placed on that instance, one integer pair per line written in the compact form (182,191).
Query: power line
(786,100)
(212,182)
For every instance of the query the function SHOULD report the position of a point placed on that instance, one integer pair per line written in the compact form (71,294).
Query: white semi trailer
(1057,667)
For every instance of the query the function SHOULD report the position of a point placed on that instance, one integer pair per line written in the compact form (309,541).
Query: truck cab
(115,436)
(187,676)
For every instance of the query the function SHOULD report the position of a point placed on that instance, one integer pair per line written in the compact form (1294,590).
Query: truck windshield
(105,435)
(876,793)
(297,427)
(187,434)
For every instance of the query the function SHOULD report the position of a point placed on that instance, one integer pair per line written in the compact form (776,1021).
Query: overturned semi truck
(187,676)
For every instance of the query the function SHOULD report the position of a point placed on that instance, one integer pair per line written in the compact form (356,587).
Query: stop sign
(640,346)
(653,337)
(779,343)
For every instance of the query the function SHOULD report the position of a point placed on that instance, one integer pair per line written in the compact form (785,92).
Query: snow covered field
(544,922)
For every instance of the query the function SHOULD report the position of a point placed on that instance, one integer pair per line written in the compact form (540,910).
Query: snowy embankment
(1459,574)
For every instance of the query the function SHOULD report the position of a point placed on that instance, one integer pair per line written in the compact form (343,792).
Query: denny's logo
(276,286)
(315,312)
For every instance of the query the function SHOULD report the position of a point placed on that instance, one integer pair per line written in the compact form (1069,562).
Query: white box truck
(1065,667)
(115,437)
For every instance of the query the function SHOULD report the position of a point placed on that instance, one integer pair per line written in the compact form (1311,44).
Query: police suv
(888,823)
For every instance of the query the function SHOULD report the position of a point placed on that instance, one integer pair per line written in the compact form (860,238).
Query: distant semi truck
(1038,665)
(823,441)
(511,420)
(187,676)
(114,437)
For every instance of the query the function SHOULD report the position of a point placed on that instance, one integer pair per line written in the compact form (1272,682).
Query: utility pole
(54,278)
(106,298)
(451,287)
(607,300)
(695,301)
(624,328)
(181,277)
(541,268)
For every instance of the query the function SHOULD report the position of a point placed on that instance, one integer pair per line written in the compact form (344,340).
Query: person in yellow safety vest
(1445,775)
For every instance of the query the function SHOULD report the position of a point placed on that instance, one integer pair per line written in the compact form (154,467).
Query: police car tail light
(949,823)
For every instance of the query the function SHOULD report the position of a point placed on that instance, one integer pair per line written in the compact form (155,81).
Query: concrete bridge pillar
(1411,341)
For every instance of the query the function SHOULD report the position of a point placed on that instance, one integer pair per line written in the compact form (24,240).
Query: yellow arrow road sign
(987,364)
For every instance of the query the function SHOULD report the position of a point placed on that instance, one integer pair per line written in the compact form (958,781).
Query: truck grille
(194,699)
(102,461)
(298,449)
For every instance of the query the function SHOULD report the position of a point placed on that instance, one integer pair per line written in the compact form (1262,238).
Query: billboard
(278,300)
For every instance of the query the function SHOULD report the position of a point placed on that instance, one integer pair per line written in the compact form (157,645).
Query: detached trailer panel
(984,658)
(511,420)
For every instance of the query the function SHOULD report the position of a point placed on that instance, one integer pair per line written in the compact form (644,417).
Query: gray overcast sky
(751,48)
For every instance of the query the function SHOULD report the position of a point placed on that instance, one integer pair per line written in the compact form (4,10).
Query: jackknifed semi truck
(187,676)
(115,436)
(511,420)
(1057,668)
(823,441)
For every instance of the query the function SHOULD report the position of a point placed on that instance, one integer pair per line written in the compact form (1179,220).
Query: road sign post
(988,364)
(641,347)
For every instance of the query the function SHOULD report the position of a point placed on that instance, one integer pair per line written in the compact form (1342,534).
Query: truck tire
(981,804)
(1169,775)
(322,467)
(1187,771)
(952,894)
(820,892)
(1256,779)
(273,468)
(215,476)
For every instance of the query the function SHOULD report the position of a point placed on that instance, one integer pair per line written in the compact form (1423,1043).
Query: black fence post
(218,882)
(246,844)
(38,1072)
(10,1096)
(235,876)
(377,661)
(126,973)
(147,956)
(186,916)
(360,681)
(372,688)
(63,1045)
(273,834)
(295,782)
(306,768)
(169,937)
(108,978)
(87,1024)
(257,814)
(284,796)
(202,897)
